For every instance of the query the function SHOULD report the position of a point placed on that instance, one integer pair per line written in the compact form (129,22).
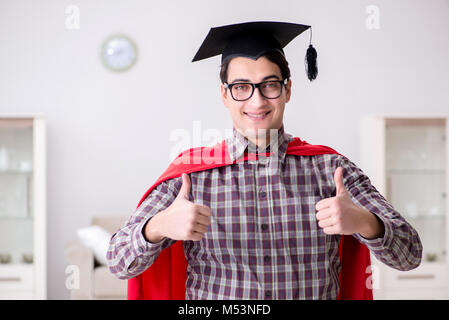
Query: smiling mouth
(257,116)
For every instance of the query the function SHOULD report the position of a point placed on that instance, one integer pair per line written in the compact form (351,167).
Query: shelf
(416,171)
(424,217)
(30,217)
(15,172)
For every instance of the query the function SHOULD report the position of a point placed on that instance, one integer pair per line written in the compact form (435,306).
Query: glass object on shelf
(27,257)
(5,258)
(14,194)
(4,157)
(416,179)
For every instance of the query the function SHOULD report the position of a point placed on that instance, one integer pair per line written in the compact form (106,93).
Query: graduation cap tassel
(311,64)
(312,69)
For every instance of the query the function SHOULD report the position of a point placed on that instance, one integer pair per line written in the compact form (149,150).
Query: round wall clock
(119,53)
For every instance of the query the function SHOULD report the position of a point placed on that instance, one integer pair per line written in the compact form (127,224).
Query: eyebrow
(264,79)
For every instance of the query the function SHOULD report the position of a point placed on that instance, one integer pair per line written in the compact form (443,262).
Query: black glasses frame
(254,86)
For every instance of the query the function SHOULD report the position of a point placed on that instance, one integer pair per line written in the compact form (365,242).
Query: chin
(253,130)
(263,125)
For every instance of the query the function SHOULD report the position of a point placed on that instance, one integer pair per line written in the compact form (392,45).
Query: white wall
(108,134)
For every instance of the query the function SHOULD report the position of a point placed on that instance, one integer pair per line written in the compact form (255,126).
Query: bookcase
(406,158)
(22,207)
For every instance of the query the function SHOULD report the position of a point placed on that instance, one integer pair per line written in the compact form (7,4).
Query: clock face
(119,53)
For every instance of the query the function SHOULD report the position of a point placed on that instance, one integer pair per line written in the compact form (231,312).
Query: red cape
(165,279)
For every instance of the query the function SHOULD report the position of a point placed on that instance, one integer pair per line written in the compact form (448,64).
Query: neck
(260,137)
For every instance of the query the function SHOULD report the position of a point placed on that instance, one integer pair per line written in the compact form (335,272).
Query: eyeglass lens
(268,89)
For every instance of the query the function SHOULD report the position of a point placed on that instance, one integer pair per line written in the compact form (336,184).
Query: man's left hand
(340,215)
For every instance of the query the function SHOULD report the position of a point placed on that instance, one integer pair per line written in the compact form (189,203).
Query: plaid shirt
(264,241)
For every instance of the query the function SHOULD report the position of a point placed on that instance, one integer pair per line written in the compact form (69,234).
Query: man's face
(246,115)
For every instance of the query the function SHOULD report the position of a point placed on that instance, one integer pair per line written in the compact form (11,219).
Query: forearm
(130,254)
(153,230)
(400,246)
(392,239)
(132,249)
(372,227)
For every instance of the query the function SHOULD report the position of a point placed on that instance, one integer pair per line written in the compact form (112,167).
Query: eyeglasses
(241,91)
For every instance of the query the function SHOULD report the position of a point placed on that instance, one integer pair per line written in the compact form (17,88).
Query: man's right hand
(182,220)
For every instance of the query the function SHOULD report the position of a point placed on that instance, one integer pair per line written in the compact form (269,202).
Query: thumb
(185,187)
(338,179)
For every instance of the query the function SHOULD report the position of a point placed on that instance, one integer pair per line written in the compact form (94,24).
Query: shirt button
(267,294)
(262,194)
(264,226)
(266,259)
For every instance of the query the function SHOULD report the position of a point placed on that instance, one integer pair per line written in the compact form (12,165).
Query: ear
(288,90)
(224,95)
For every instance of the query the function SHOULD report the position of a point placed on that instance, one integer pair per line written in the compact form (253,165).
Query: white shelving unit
(406,158)
(22,207)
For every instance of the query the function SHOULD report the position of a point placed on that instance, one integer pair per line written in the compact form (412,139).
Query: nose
(257,99)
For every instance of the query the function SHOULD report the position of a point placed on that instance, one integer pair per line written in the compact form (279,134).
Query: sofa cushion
(110,223)
(96,239)
(108,286)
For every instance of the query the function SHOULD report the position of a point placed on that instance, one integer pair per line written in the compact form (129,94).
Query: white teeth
(257,115)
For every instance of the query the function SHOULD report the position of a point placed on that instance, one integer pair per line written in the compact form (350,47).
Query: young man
(266,226)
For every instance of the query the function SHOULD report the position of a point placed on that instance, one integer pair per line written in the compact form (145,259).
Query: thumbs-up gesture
(340,215)
(182,220)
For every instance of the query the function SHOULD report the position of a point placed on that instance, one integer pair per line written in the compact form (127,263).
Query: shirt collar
(238,144)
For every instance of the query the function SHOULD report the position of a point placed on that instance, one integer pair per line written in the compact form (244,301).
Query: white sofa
(95,280)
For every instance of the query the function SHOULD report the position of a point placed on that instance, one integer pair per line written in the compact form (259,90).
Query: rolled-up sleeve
(400,246)
(129,253)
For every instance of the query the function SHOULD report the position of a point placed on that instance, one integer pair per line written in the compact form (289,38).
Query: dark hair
(274,56)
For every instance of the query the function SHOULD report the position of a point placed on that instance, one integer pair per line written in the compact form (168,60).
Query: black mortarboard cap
(252,40)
